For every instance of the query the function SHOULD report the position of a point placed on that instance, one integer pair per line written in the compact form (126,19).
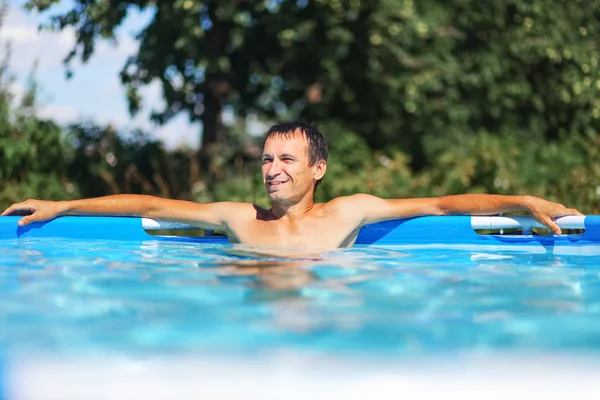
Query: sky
(94,93)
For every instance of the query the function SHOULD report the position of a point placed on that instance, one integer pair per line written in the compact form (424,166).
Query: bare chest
(318,233)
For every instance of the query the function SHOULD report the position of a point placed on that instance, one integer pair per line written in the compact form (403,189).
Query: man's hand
(545,212)
(35,210)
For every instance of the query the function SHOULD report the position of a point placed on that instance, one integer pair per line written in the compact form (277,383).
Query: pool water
(174,297)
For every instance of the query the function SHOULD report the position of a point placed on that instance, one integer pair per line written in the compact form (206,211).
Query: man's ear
(320,169)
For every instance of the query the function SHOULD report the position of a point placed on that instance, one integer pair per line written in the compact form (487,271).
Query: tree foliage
(31,151)
(416,99)
(397,72)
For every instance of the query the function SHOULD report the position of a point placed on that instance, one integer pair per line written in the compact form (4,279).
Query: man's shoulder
(351,209)
(349,203)
(236,206)
(231,208)
(351,199)
(243,209)
(235,213)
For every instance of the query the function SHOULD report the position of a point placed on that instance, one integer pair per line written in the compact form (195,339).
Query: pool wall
(421,230)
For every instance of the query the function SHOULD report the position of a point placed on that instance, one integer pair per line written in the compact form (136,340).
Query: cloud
(95,92)
(49,48)
(178,133)
(28,44)
(18,90)
(62,114)
(19,34)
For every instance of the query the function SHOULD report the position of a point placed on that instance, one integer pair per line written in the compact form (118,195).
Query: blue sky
(94,92)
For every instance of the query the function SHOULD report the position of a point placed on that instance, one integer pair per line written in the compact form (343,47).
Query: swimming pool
(66,298)
(90,296)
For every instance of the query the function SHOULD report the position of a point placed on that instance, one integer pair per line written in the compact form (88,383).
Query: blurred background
(427,98)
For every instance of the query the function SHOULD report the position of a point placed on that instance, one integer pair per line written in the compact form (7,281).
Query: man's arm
(208,216)
(374,209)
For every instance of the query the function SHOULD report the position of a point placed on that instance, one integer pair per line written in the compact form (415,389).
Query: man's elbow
(152,207)
(438,208)
(437,212)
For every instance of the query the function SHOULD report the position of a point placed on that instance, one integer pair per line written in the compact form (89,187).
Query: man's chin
(276,196)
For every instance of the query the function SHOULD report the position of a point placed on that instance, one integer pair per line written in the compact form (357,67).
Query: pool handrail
(477,222)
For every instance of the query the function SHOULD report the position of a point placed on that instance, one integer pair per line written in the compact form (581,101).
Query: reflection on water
(182,296)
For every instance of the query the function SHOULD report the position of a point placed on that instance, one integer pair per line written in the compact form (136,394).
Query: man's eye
(266,160)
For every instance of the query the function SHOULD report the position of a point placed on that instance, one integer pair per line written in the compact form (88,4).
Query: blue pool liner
(421,230)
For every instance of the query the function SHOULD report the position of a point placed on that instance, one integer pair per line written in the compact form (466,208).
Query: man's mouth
(275,184)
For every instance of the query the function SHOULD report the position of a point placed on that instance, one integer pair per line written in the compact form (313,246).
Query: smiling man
(294,160)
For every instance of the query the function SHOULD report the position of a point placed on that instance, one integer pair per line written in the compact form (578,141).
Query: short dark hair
(317,145)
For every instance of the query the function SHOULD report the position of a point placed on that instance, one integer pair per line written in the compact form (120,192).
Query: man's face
(286,172)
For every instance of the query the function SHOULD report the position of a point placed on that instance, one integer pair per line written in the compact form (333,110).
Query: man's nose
(274,168)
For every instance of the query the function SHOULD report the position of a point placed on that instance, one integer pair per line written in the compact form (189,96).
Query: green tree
(32,160)
(417,99)
(398,72)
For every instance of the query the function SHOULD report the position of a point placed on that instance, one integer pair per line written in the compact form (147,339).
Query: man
(294,161)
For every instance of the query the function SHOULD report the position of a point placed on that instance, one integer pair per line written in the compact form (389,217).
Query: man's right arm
(208,216)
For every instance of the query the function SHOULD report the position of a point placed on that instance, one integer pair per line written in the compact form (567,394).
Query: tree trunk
(214,135)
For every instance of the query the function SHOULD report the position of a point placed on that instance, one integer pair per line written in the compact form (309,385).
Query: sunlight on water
(93,296)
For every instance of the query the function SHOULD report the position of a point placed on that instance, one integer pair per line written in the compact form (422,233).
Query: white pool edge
(295,377)
(477,222)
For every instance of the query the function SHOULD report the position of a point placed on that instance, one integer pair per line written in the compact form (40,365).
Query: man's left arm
(374,209)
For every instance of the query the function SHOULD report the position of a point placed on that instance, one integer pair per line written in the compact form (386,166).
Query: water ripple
(169,296)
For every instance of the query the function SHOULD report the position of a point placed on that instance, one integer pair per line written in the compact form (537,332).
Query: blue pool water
(95,296)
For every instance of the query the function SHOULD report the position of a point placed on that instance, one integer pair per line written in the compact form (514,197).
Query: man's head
(294,160)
